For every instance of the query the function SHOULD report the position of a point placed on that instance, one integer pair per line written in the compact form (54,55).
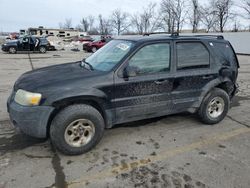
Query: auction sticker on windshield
(123,46)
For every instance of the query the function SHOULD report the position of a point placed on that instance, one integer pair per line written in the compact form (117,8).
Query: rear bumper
(32,121)
(235,90)
(51,48)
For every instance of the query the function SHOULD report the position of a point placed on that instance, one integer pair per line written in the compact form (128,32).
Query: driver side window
(150,59)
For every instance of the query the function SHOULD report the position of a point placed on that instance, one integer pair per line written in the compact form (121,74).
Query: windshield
(109,55)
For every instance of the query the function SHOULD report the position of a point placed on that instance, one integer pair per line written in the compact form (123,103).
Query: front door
(146,94)
(23,44)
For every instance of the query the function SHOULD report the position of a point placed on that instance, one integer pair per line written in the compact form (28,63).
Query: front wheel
(42,49)
(12,50)
(214,107)
(94,49)
(77,129)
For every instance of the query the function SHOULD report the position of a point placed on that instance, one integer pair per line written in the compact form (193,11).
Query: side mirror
(130,71)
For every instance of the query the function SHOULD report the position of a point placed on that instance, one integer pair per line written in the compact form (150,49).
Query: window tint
(225,52)
(151,59)
(192,55)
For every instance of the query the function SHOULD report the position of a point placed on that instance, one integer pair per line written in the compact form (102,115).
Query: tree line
(169,16)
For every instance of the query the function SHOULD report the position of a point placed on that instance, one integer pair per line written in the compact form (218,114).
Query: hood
(53,75)
(11,42)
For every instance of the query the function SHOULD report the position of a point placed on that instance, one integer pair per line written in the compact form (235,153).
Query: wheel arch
(222,83)
(98,104)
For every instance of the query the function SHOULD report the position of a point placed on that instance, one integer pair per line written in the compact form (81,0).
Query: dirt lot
(173,151)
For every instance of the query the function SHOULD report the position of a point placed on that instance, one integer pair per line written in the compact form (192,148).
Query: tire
(61,129)
(12,50)
(214,107)
(42,49)
(94,49)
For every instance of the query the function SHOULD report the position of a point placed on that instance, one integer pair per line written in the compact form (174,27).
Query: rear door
(148,94)
(193,71)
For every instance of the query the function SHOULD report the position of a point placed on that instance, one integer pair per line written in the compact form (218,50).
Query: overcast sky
(21,14)
(18,14)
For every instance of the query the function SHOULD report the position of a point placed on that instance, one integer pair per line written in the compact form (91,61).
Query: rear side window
(192,55)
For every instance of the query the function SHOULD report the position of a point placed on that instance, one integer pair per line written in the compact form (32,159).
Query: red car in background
(85,39)
(97,44)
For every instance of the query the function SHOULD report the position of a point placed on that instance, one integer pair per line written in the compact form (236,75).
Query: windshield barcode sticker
(122,46)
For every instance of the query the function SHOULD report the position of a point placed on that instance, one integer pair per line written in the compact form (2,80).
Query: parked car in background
(97,44)
(85,39)
(27,43)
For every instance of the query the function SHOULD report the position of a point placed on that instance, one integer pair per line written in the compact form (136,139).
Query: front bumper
(87,48)
(32,121)
(4,48)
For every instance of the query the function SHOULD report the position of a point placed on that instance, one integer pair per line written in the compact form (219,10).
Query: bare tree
(222,10)
(168,19)
(195,16)
(147,21)
(174,14)
(208,17)
(60,24)
(87,23)
(68,23)
(104,25)
(91,21)
(119,21)
(236,26)
(79,27)
(136,21)
(246,7)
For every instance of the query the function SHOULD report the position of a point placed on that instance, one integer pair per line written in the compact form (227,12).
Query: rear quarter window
(192,55)
(225,53)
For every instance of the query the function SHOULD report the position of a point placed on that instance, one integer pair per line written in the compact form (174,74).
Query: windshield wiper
(84,63)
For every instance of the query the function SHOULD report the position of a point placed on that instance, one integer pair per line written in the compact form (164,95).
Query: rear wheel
(214,107)
(42,49)
(12,50)
(94,49)
(77,129)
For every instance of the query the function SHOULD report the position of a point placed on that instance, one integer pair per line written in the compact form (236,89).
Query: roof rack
(212,36)
(176,34)
(155,33)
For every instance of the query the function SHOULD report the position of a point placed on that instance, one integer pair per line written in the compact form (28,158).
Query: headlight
(26,98)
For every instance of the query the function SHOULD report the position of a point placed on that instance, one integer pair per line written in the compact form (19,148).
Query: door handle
(160,82)
(207,77)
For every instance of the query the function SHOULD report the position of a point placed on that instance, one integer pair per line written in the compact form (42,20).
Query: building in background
(41,31)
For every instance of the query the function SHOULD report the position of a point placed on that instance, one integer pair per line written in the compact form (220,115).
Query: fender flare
(208,87)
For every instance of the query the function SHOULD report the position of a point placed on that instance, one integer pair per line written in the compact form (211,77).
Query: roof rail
(212,36)
(155,33)
(176,34)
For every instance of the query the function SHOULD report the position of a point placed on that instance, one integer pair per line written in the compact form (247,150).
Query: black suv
(129,79)
(27,43)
